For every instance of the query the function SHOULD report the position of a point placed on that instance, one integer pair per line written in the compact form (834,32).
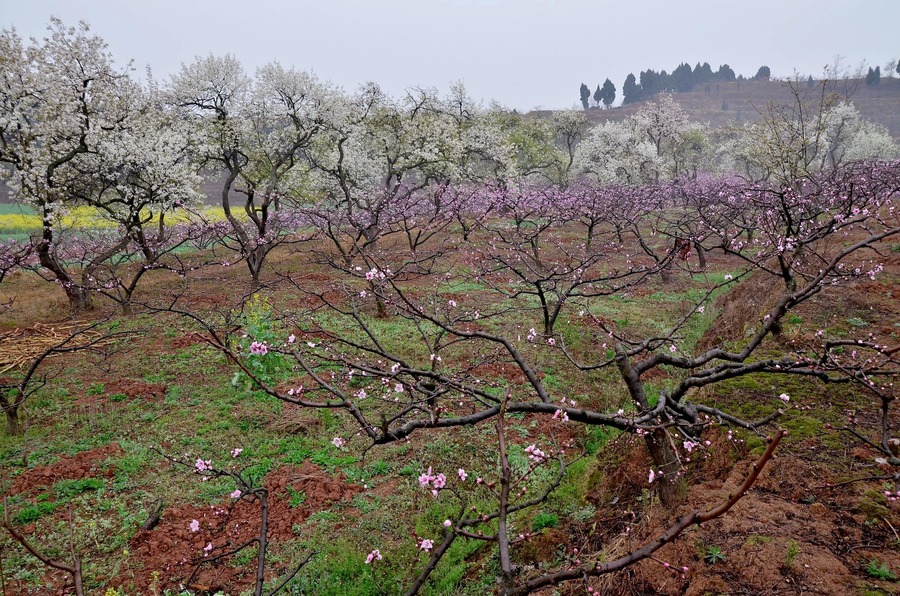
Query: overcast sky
(522,53)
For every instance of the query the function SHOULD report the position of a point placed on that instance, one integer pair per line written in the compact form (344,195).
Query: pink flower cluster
(375,555)
(535,455)
(375,274)
(438,481)
(259,348)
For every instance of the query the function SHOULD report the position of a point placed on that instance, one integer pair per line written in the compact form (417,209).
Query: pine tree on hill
(631,91)
(608,93)
(725,74)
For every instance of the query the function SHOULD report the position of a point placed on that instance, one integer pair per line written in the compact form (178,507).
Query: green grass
(205,415)
(880,570)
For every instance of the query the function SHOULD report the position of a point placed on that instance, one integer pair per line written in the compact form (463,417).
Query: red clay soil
(142,389)
(790,534)
(69,467)
(173,551)
(773,542)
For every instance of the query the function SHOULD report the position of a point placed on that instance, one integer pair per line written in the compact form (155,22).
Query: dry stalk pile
(21,346)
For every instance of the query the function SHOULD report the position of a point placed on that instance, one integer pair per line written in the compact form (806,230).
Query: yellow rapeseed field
(15,219)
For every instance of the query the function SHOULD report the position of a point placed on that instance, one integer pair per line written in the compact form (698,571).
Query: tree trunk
(672,486)
(13,427)
(79,296)
(255,260)
(701,255)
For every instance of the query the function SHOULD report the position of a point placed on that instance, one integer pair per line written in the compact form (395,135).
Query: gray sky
(522,53)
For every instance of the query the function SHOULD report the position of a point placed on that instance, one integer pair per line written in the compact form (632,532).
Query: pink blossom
(259,349)
(207,549)
(426,544)
(236,494)
(784,397)
(195,526)
(551,342)
(652,476)
(337,442)
(426,478)
(673,349)
(398,388)
(462,474)
(452,303)
(700,309)
(447,523)
(236,451)
(440,481)
(373,556)
(292,338)
(203,465)
(535,455)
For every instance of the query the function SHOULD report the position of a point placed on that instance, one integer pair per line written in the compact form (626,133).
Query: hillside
(744,99)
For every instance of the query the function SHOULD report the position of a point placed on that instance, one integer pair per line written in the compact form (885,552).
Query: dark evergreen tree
(874,76)
(683,78)
(585,96)
(763,73)
(725,74)
(703,73)
(665,82)
(631,91)
(608,93)
(598,95)
(650,83)
(810,83)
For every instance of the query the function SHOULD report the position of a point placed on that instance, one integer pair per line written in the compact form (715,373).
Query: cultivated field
(375,396)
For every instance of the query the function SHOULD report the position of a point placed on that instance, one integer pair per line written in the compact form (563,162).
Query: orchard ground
(90,466)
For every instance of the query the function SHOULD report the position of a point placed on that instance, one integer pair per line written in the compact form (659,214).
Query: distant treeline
(650,83)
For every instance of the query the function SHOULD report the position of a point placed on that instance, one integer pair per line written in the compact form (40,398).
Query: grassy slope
(200,412)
